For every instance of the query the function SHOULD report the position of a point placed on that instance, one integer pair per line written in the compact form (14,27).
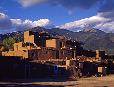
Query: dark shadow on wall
(13,68)
(19,85)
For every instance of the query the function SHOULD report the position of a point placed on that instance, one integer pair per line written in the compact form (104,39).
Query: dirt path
(107,81)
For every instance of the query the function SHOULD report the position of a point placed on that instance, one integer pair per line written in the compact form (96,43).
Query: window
(60,44)
(33,54)
(57,54)
(45,52)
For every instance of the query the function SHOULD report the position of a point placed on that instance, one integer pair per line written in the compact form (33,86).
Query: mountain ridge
(92,39)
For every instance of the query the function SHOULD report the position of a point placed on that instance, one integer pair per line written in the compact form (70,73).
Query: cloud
(103,5)
(42,22)
(104,19)
(107,15)
(107,27)
(27,3)
(3,16)
(8,25)
(99,21)
(70,4)
(20,24)
(4,21)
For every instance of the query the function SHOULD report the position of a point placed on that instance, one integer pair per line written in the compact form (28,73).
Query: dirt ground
(107,81)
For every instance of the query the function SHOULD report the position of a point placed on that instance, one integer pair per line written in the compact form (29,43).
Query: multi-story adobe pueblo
(41,46)
(57,50)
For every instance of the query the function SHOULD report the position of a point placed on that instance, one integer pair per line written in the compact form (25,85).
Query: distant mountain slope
(92,38)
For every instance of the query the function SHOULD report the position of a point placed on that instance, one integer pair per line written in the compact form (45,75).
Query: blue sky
(68,14)
(58,14)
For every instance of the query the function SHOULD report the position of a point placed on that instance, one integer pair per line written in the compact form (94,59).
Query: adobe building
(39,39)
(55,43)
(100,54)
(89,53)
(21,49)
(49,54)
(92,56)
(40,46)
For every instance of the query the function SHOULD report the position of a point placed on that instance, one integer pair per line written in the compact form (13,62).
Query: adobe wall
(46,54)
(22,54)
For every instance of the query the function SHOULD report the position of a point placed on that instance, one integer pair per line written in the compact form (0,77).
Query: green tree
(8,43)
